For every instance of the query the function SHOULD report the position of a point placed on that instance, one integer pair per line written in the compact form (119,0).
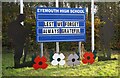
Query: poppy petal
(62,62)
(75,56)
(54,62)
(36,66)
(76,62)
(70,57)
(37,59)
(91,55)
(44,66)
(43,59)
(62,56)
(84,61)
(86,54)
(55,56)
(91,61)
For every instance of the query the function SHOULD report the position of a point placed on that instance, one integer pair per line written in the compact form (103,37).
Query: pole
(21,9)
(21,6)
(79,48)
(15,1)
(92,31)
(57,43)
(41,47)
(57,3)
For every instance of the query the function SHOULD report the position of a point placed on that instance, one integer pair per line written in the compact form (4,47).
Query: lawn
(102,68)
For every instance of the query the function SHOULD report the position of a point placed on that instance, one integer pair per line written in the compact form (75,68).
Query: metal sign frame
(53,16)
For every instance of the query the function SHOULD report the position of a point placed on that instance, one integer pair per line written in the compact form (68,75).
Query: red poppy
(88,58)
(40,63)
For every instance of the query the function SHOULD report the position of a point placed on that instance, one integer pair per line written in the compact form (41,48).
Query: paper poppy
(58,59)
(40,62)
(88,58)
(73,60)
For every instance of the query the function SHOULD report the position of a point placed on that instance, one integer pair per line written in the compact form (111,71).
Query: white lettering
(70,31)
(71,23)
(77,11)
(64,11)
(48,10)
(59,23)
(50,31)
(48,23)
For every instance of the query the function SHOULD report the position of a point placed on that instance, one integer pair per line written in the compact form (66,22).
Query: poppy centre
(40,63)
(58,59)
(88,57)
(73,60)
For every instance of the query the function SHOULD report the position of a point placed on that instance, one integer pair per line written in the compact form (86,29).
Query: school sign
(60,24)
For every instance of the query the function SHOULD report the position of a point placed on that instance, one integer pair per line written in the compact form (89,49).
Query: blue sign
(60,24)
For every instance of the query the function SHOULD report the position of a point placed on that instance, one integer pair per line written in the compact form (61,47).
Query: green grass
(102,68)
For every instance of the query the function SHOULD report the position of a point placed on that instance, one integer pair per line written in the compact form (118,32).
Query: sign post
(21,6)
(41,48)
(21,9)
(57,43)
(79,48)
(92,18)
